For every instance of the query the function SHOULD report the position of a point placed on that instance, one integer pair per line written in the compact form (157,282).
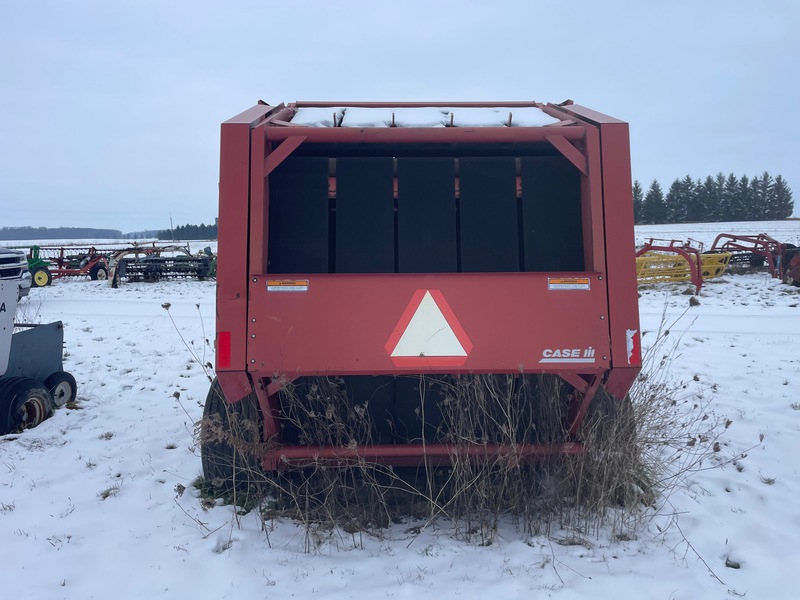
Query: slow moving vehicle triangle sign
(428,334)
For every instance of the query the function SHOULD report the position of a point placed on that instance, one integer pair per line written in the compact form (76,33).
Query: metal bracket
(570,152)
(282,152)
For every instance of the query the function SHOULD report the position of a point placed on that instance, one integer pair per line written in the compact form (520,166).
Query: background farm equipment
(757,252)
(48,262)
(660,261)
(32,377)
(398,251)
(790,264)
(154,262)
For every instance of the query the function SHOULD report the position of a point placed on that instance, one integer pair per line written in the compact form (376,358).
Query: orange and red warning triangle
(428,334)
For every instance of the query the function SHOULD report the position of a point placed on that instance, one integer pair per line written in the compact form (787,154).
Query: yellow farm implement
(677,261)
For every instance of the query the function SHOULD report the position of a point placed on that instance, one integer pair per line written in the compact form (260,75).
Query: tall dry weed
(637,450)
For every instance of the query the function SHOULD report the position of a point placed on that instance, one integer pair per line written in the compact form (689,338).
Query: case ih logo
(568,355)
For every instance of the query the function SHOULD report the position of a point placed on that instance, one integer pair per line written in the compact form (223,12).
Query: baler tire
(230,438)
(29,406)
(41,277)
(615,415)
(63,388)
(99,271)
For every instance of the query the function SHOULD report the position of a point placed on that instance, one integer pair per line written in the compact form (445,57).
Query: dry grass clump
(636,450)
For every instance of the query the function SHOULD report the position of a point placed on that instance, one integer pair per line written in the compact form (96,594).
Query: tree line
(717,198)
(57,233)
(189,232)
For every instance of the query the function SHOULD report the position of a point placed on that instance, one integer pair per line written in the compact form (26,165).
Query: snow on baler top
(373,241)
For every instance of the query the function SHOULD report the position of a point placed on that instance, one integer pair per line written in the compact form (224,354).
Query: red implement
(372,241)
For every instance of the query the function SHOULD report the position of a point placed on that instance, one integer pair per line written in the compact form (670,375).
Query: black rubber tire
(99,271)
(41,277)
(230,438)
(63,388)
(26,404)
(618,411)
(6,384)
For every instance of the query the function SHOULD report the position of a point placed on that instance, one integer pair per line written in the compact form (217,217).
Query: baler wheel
(41,277)
(230,442)
(63,388)
(26,403)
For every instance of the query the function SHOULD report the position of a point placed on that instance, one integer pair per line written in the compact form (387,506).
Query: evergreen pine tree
(731,209)
(676,208)
(761,188)
(745,200)
(782,204)
(689,196)
(655,209)
(719,208)
(638,202)
(703,199)
(694,208)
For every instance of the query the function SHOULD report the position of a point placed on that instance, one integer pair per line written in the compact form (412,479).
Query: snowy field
(783,231)
(91,503)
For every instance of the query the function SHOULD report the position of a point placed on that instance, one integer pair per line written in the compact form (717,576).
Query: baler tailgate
(382,324)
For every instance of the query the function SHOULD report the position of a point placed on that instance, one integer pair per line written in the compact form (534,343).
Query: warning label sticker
(568,283)
(287,285)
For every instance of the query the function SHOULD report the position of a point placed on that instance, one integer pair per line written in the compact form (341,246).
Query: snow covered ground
(91,502)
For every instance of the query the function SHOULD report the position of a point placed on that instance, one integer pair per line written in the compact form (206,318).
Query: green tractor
(39,268)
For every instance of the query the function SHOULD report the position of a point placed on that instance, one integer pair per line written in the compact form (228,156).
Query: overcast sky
(110,109)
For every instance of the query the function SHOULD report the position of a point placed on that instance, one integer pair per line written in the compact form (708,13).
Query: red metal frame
(61,257)
(411,455)
(341,324)
(613,239)
(758,245)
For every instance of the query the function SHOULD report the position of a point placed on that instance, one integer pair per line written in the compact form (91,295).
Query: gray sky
(110,110)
